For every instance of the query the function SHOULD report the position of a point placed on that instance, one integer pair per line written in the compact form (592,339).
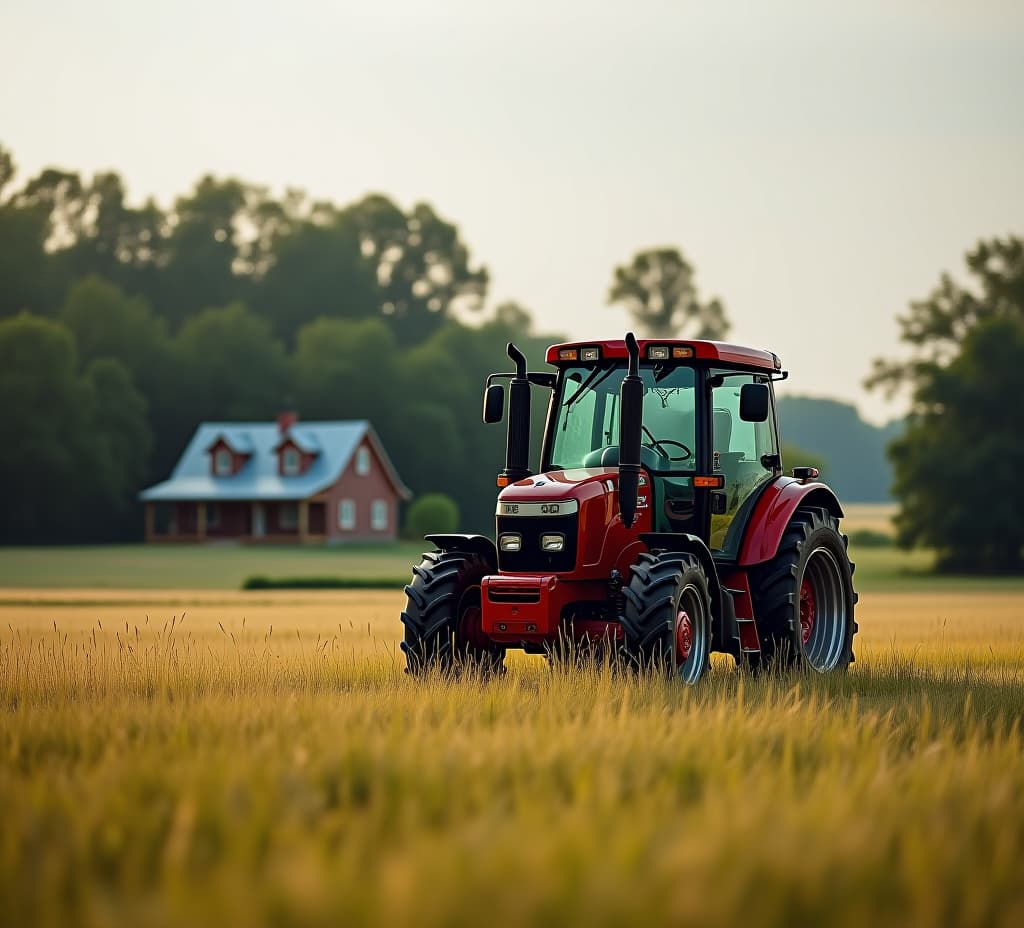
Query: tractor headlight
(657,352)
(511,542)
(552,542)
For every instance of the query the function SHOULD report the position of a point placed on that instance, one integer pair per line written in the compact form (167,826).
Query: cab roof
(722,352)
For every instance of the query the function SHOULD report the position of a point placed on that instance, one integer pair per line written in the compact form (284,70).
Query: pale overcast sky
(819,163)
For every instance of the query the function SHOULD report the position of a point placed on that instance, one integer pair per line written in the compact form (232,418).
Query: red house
(310,482)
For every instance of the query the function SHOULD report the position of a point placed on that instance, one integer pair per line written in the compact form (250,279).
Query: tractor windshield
(587,418)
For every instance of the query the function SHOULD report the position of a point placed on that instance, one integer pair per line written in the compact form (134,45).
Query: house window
(288,516)
(363,461)
(289,461)
(212,515)
(379,515)
(223,462)
(347,515)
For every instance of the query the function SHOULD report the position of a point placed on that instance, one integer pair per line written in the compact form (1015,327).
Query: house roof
(334,442)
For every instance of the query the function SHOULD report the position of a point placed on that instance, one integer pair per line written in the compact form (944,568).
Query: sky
(819,163)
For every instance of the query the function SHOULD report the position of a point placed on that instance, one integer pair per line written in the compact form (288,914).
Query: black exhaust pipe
(517,441)
(631,410)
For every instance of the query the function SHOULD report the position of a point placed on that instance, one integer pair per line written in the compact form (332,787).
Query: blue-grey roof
(259,479)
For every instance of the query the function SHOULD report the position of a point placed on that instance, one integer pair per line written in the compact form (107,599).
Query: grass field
(263,760)
(193,755)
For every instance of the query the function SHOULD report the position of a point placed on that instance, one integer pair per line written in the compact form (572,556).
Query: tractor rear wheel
(804,597)
(667,617)
(442,616)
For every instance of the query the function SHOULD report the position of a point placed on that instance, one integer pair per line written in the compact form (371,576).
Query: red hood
(579,483)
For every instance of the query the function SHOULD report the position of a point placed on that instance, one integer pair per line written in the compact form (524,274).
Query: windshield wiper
(590,381)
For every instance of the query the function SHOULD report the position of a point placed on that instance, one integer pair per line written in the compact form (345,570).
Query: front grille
(531,559)
(519,594)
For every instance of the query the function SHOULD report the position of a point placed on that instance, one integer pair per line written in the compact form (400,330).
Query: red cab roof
(722,352)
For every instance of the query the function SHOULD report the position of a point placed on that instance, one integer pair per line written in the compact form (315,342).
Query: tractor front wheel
(804,596)
(442,616)
(667,618)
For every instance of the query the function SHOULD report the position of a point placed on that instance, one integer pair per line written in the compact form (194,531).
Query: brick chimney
(285,420)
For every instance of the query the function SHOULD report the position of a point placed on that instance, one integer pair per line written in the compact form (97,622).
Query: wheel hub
(684,634)
(807,610)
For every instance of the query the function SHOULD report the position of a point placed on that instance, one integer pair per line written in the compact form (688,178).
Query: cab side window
(740,451)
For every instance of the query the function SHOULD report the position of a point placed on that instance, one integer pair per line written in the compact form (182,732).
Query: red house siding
(362,490)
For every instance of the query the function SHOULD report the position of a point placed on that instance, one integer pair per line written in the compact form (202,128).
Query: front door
(259,520)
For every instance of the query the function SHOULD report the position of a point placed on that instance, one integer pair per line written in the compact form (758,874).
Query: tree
(959,463)
(422,266)
(431,513)
(75,445)
(316,270)
(232,366)
(658,291)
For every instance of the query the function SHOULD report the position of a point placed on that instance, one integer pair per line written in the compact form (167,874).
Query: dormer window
(223,462)
(290,462)
(363,461)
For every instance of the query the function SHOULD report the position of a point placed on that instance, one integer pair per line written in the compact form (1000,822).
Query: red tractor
(660,523)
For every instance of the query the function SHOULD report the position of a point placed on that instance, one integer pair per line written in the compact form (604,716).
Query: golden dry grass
(155,771)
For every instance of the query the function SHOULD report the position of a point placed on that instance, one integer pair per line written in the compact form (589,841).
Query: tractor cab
(709,438)
(659,522)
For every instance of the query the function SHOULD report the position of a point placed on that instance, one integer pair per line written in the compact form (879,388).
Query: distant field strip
(261,759)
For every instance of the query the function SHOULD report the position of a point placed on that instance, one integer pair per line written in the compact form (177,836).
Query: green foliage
(658,291)
(958,467)
(432,513)
(234,368)
(76,443)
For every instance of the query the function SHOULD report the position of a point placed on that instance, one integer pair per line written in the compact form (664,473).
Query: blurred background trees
(123,326)
(658,291)
(960,462)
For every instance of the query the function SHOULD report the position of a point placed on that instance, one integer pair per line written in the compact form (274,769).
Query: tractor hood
(578,484)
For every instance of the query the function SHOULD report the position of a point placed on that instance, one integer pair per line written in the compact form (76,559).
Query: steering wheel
(657,443)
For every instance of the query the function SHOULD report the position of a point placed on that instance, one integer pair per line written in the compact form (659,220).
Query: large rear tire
(667,617)
(804,597)
(443,631)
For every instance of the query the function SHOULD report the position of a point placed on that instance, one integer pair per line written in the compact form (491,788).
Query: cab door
(746,454)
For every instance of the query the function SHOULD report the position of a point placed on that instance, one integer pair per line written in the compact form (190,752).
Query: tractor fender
(467,544)
(692,544)
(773,511)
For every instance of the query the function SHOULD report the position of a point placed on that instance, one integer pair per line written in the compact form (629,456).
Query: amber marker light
(567,354)
(682,352)
(712,482)
(502,481)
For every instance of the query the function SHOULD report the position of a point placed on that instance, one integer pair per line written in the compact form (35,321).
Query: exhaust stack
(631,405)
(517,441)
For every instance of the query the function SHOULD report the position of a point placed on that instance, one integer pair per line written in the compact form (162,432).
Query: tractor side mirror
(755,399)
(494,403)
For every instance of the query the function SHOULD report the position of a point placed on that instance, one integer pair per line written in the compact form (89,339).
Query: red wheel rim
(684,635)
(471,629)
(807,609)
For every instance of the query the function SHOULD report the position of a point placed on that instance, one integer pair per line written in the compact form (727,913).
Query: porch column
(303,520)
(150,522)
(201,521)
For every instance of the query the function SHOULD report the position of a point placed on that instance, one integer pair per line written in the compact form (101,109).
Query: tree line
(123,326)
